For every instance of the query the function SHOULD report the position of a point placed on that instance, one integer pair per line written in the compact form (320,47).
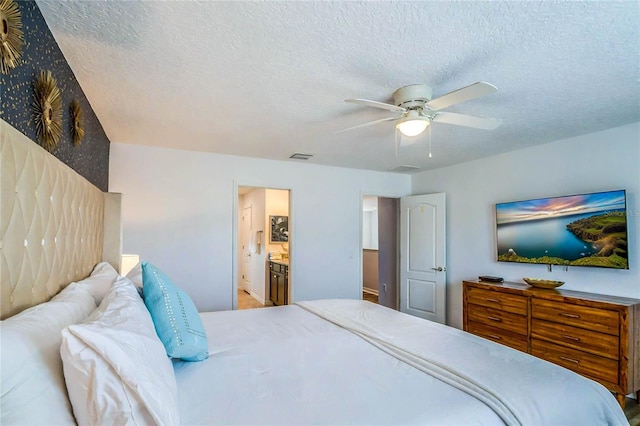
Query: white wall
(370,222)
(370,229)
(178,214)
(366,230)
(590,163)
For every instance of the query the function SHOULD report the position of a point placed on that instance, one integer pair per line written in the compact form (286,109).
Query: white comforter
(365,364)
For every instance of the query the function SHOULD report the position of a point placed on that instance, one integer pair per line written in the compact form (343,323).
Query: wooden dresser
(594,335)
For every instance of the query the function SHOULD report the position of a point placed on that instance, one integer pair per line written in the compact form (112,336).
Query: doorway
(258,244)
(408,258)
(380,250)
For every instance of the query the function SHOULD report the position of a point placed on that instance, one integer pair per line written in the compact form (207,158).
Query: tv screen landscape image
(574,230)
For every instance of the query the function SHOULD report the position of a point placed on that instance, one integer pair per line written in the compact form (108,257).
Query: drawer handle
(575,361)
(564,314)
(575,339)
(493,300)
(494,318)
(494,337)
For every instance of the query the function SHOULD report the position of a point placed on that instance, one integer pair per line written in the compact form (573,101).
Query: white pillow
(33,391)
(100,281)
(116,368)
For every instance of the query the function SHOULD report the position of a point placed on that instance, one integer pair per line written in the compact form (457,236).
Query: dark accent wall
(388,251)
(41,52)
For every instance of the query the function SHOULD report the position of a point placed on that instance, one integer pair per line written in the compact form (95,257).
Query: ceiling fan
(417,109)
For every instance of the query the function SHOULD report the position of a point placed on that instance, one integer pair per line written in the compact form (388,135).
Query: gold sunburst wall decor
(77,129)
(47,107)
(11,37)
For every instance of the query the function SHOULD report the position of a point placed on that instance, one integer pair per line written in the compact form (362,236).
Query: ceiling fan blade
(370,123)
(376,104)
(467,120)
(461,95)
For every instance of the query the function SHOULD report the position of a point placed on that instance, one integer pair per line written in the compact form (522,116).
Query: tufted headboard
(52,224)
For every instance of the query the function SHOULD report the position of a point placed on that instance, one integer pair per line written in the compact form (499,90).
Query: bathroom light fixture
(413,124)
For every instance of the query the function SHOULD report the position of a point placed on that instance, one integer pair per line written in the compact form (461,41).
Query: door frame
(234,235)
(360,233)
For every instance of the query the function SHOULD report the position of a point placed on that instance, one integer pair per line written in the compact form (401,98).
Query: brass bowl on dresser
(540,283)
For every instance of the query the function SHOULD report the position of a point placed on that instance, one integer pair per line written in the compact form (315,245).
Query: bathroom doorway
(259,244)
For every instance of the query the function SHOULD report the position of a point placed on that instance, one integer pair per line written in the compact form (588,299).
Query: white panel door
(422,256)
(245,236)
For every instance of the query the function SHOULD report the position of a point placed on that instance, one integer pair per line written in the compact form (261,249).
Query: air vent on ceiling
(405,169)
(300,156)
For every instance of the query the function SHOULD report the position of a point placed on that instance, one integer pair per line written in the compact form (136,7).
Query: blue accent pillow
(174,315)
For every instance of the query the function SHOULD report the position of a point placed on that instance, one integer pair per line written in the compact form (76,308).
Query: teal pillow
(174,315)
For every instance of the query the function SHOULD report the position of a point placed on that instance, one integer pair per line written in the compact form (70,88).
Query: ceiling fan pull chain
(429,135)
(396,143)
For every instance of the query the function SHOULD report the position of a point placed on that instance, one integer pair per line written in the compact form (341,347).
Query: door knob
(439,269)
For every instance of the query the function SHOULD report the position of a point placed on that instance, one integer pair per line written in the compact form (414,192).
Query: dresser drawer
(596,367)
(502,301)
(499,319)
(515,341)
(594,319)
(601,344)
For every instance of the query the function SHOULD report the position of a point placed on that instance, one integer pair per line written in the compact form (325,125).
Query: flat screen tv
(574,230)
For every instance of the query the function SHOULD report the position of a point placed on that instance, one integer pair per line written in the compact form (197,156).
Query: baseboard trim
(258,298)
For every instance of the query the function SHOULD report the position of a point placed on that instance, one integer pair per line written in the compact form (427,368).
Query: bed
(79,345)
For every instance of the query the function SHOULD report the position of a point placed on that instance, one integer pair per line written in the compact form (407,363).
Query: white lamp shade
(412,127)
(128,261)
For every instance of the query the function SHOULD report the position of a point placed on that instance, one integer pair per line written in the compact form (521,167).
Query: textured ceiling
(267,79)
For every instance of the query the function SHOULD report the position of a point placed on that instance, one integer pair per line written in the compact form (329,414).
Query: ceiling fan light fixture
(413,124)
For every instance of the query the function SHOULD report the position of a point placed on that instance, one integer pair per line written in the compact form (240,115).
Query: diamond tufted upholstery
(51,223)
